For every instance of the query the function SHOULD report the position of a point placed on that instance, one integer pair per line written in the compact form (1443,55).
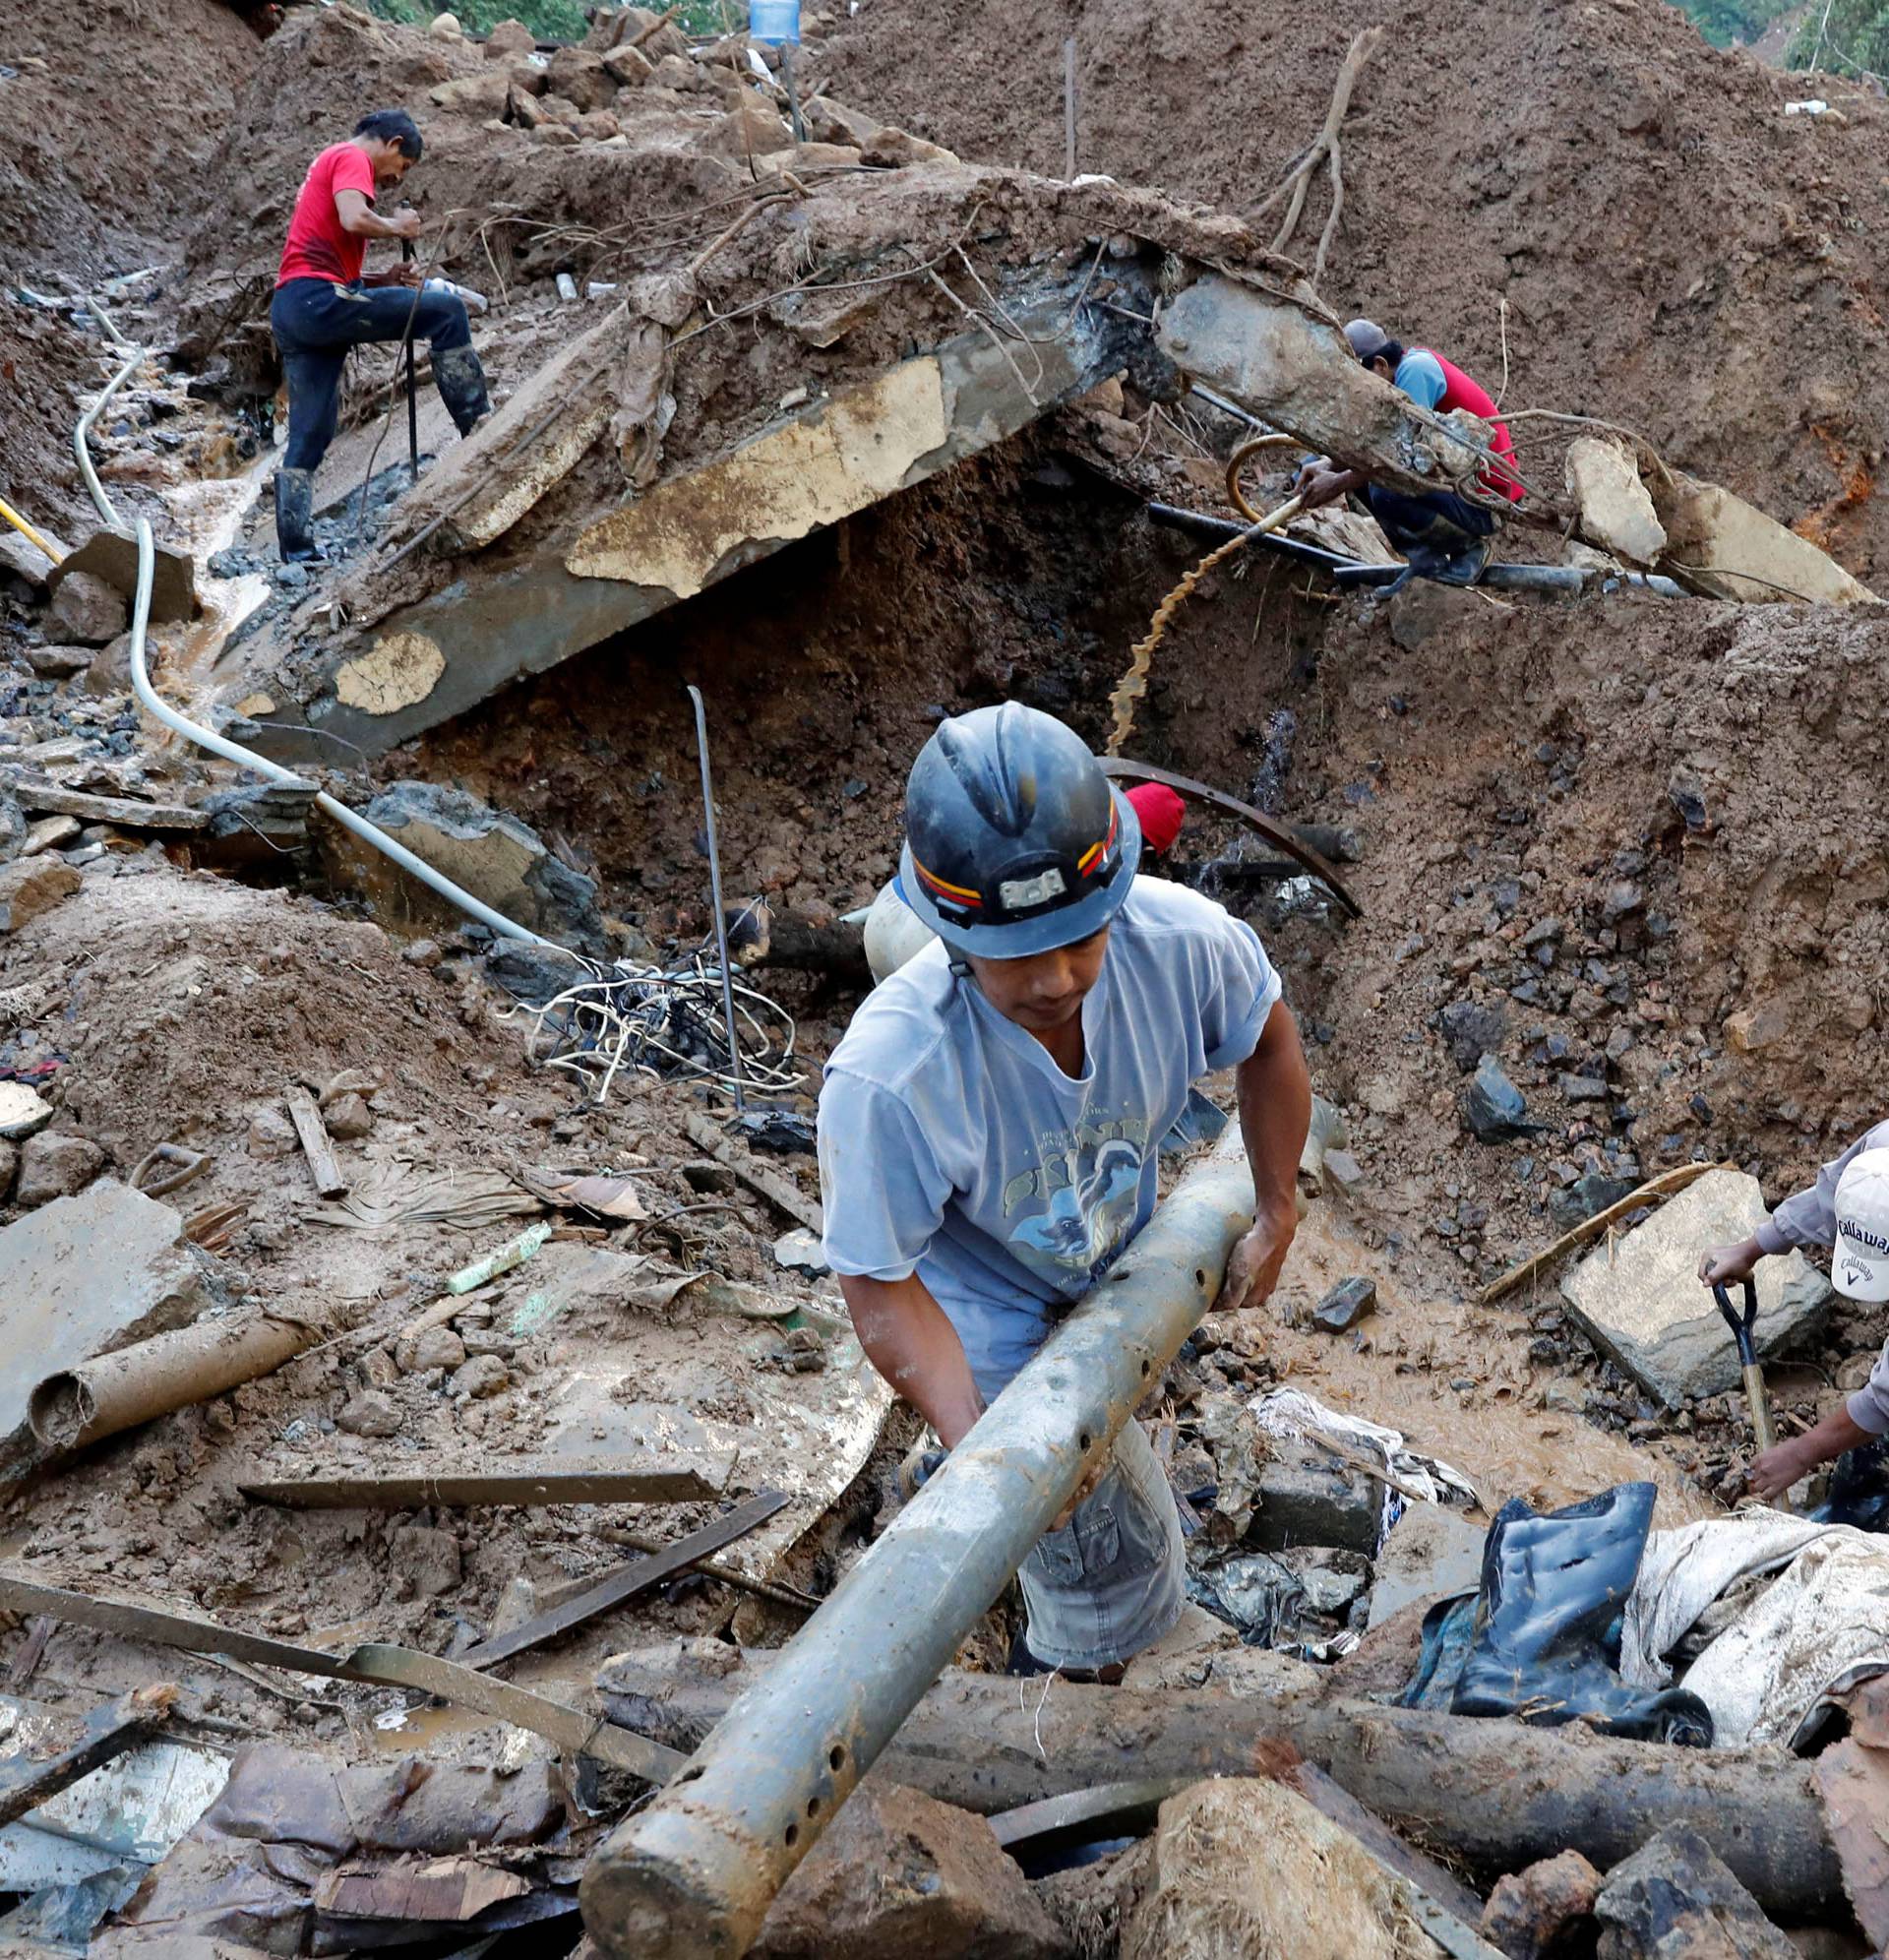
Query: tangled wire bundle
(663,1022)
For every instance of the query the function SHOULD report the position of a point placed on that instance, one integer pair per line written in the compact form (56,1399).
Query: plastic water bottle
(774,21)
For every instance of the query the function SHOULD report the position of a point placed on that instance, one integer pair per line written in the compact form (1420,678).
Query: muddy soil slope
(1660,244)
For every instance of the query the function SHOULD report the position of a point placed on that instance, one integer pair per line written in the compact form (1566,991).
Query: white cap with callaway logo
(1859,1263)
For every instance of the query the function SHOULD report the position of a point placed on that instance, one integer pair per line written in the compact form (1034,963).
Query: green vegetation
(1722,22)
(556,20)
(1845,38)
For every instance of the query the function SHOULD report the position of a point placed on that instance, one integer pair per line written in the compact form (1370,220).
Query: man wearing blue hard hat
(990,1125)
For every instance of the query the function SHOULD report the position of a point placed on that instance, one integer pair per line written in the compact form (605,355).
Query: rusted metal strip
(626,1582)
(1274,833)
(647,1481)
(1104,1810)
(571,1729)
(110,1729)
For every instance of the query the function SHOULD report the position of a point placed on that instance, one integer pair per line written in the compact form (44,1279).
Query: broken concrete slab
(1615,509)
(1673,1899)
(1430,1552)
(1720,545)
(1306,1497)
(1639,1299)
(109,558)
(83,1276)
(410,668)
(1277,357)
(901,1876)
(491,853)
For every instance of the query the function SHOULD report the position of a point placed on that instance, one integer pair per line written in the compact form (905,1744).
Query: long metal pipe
(1571,579)
(692,1877)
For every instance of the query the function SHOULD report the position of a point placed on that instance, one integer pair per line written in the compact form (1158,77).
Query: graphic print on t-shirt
(1071,1215)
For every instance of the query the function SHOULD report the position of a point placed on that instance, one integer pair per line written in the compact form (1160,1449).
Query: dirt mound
(113,123)
(1674,253)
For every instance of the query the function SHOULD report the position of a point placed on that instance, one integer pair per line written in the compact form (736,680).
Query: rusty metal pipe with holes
(692,1877)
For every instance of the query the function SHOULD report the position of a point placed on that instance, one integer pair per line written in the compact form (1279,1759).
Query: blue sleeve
(881,1186)
(1420,377)
(1238,990)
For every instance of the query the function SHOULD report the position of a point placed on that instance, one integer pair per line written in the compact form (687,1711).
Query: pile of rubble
(435,1407)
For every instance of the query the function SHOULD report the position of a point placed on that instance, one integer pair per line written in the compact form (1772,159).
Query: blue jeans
(316,321)
(1428,520)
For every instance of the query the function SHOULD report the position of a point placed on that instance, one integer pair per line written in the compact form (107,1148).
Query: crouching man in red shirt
(323,306)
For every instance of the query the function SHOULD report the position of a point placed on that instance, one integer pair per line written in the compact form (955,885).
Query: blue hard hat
(1016,842)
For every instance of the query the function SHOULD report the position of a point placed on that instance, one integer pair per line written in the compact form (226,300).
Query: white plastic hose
(234,752)
(222,745)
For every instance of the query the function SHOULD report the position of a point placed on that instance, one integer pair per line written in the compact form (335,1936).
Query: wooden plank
(35,793)
(322,1165)
(625,1583)
(654,1480)
(775,1189)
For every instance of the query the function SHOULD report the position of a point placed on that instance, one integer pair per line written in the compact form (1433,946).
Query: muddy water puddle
(1457,1379)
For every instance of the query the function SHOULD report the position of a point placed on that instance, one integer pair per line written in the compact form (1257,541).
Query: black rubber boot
(1466,565)
(294,517)
(460,380)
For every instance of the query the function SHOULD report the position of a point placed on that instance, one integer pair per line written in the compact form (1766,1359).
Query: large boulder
(1639,1299)
(901,1876)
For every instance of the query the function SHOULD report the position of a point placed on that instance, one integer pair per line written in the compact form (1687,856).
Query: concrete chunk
(1432,1554)
(1640,1302)
(1306,1497)
(83,1276)
(1617,509)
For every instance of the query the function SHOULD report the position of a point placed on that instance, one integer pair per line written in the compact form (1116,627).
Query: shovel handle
(1762,1432)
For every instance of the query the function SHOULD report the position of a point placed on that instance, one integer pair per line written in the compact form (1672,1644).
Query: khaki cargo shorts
(1111,1582)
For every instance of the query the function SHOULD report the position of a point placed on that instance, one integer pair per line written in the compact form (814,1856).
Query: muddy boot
(294,517)
(460,380)
(1465,566)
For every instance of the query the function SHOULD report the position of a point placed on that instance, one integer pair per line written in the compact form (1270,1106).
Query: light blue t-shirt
(951,1146)
(1420,373)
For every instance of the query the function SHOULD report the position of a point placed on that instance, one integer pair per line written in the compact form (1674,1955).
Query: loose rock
(1493,1107)
(901,1876)
(32,886)
(428,1558)
(370,1413)
(484,1375)
(1346,1305)
(1673,1899)
(1431,1553)
(1471,1029)
(1530,1913)
(86,611)
(53,1165)
(437,1347)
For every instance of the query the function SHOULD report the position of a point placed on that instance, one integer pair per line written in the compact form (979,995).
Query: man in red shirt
(1444,534)
(323,306)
